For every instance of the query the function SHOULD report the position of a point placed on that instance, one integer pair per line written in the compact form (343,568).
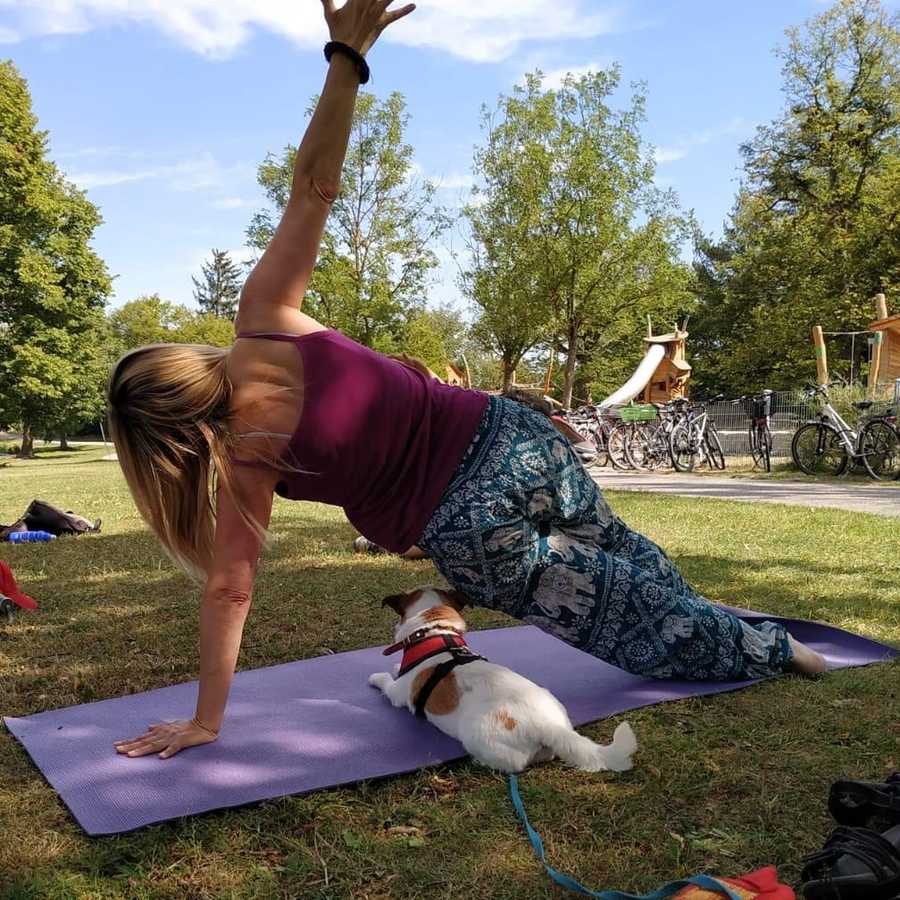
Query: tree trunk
(27,449)
(571,356)
(64,443)
(509,372)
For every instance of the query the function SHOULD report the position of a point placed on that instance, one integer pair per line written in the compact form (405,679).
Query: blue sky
(162,110)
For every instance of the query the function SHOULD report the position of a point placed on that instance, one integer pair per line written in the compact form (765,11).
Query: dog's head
(429,605)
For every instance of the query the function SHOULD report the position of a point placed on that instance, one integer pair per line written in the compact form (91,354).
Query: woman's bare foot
(806,661)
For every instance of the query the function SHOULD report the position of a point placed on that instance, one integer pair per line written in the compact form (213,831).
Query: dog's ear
(397,602)
(457,599)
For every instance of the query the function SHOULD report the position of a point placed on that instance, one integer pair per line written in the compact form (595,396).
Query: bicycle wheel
(766,443)
(600,435)
(760,440)
(615,446)
(817,450)
(715,454)
(658,447)
(684,446)
(637,447)
(879,446)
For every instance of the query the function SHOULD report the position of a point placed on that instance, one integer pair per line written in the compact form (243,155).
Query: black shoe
(854,864)
(862,803)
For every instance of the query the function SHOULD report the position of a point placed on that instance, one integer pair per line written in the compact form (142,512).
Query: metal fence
(790,409)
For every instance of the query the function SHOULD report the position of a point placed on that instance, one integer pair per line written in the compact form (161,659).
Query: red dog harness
(419,646)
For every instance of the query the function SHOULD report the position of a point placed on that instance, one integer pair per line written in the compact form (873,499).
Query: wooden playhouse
(669,380)
(884,369)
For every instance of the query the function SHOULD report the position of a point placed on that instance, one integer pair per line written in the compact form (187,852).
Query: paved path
(883,501)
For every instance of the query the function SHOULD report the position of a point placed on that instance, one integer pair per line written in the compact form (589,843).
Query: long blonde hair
(169,408)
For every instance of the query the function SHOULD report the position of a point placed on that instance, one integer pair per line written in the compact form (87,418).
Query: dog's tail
(583,753)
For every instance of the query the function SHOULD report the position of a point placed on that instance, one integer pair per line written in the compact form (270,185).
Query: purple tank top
(375,437)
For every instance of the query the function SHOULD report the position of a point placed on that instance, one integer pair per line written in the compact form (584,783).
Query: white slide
(638,381)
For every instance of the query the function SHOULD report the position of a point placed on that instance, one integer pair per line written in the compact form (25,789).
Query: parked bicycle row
(682,435)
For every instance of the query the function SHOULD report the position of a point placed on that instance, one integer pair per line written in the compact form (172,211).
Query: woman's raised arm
(279,279)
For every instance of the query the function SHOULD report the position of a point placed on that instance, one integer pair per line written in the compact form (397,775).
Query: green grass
(722,784)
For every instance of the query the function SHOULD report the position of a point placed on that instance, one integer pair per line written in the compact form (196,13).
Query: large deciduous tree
(53,287)
(152,320)
(814,232)
(570,236)
(377,248)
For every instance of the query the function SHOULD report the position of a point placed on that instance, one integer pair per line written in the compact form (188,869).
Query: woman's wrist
(352,55)
(197,723)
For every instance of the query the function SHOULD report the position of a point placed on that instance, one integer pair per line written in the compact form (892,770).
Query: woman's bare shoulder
(267,383)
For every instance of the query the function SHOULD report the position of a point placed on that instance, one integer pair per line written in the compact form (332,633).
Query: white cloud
(681,148)
(82,152)
(670,154)
(231,203)
(553,80)
(458,181)
(8,36)
(485,31)
(199,173)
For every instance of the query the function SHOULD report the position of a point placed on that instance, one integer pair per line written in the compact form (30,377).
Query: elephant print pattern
(524,529)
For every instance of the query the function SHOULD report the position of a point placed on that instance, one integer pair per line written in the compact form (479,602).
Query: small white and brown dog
(503,720)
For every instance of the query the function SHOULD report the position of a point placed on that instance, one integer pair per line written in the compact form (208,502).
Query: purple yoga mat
(316,723)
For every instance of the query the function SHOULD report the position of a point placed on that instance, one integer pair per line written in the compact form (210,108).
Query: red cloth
(9,588)
(760,885)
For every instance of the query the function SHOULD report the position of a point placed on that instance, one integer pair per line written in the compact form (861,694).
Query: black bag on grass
(44,516)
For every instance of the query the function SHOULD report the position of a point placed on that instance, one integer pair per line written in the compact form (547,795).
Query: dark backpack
(43,516)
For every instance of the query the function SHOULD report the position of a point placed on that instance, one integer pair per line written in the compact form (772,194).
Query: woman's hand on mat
(359,23)
(166,739)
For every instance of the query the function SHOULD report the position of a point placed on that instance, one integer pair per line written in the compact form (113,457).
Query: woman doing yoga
(488,488)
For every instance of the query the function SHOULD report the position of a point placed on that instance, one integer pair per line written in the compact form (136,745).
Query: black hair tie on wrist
(355,56)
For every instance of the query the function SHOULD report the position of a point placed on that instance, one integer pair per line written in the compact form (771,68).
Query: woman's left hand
(359,23)
(166,739)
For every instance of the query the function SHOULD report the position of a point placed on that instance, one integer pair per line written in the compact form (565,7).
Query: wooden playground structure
(884,368)
(884,350)
(670,378)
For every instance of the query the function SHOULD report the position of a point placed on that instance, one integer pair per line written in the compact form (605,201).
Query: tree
(53,287)
(436,336)
(376,251)
(814,231)
(145,320)
(152,320)
(570,237)
(218,291)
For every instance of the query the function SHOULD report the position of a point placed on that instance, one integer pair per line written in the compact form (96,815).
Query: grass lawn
(722,784)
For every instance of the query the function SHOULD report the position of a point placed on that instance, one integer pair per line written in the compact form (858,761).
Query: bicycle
(695,439)
(647,447)
(827,445)
(759,433)
(590,426)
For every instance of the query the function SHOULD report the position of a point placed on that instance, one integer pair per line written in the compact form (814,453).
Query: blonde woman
(486,487)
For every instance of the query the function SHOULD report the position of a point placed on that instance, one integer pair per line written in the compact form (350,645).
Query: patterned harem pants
(524,529)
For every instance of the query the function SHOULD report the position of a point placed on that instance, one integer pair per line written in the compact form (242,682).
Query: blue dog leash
(667,890)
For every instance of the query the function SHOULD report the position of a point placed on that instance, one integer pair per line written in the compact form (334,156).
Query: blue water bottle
(27,537)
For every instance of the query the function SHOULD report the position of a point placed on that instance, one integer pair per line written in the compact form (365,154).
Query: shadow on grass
(127,621)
